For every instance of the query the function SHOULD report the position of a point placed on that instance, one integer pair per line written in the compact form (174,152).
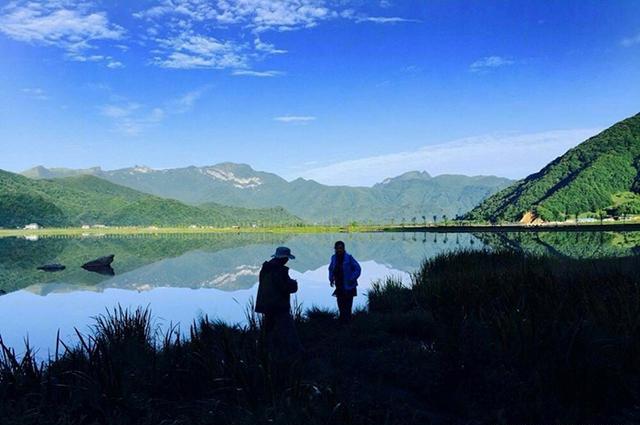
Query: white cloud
(489,62)
(69,25)
(506,155)
(183,29)
(259,15)
(250,73)
(631,41)
(190,50)
(295,118)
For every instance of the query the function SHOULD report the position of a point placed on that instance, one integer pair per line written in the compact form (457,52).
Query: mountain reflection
(232,262)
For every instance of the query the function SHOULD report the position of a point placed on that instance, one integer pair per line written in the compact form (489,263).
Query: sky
(342,91)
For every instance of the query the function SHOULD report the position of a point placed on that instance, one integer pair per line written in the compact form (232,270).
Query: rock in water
(104,270)
(99,262)
(52,267)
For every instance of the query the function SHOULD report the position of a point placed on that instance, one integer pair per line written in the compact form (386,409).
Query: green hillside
(86,199)
(601,175)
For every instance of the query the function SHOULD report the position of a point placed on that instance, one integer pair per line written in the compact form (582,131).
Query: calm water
(183,277)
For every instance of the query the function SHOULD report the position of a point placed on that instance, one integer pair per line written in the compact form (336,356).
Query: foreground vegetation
(479,337)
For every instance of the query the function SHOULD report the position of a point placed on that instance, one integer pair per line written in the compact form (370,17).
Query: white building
(32,226)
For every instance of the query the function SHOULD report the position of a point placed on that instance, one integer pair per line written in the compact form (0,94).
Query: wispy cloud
(260,74)
(70,25)
(114,64)
(631,41)
(267,48)
(507,155)
(300,119)
(490,62)
(35,93)
(186,102)
(385,19)
(133,118)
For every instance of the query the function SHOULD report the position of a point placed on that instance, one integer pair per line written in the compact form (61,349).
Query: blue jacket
(351,270)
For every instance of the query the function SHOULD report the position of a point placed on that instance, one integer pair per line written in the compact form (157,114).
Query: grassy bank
(451,227)
(152,230)
(478,338)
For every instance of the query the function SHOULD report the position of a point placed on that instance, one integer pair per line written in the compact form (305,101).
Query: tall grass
(535,338)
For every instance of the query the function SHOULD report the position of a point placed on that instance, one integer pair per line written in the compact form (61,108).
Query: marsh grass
(478,337)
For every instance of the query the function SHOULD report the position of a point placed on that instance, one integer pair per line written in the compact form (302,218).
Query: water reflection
(181,277)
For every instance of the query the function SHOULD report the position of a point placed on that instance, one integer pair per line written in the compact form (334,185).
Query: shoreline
(449,228)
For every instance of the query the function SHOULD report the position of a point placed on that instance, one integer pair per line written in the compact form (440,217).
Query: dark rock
(99,262)
(104,270)
(52,267)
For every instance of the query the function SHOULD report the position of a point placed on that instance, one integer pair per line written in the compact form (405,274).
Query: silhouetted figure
(273,302)
(344,272)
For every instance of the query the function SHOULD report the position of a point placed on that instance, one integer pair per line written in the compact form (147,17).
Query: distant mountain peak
(42,172)
(143,169)
(225,175)
(409,175)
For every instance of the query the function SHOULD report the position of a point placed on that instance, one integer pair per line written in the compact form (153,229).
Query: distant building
(99,226)
(32,226)
(86,226)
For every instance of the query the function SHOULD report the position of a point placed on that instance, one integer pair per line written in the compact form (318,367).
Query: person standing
(344,272)
(273,302)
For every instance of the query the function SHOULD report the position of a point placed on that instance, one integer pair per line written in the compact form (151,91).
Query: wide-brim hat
(283,252)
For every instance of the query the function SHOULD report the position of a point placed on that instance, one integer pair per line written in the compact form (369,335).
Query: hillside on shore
(75,201)
(599,176)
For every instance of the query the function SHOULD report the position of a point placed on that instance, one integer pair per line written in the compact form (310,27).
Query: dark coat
(274,288)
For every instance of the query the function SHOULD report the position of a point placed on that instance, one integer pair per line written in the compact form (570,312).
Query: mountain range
(599,176)
(402,198)
(85,199)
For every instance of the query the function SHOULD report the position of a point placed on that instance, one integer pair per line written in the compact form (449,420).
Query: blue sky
(344,91)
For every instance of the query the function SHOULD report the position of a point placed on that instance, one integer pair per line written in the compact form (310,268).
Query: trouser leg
(345,303)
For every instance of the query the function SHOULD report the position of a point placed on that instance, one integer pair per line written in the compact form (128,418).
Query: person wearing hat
(274,290)
(344,272)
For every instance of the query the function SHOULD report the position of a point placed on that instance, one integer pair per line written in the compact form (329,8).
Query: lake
(183,277)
